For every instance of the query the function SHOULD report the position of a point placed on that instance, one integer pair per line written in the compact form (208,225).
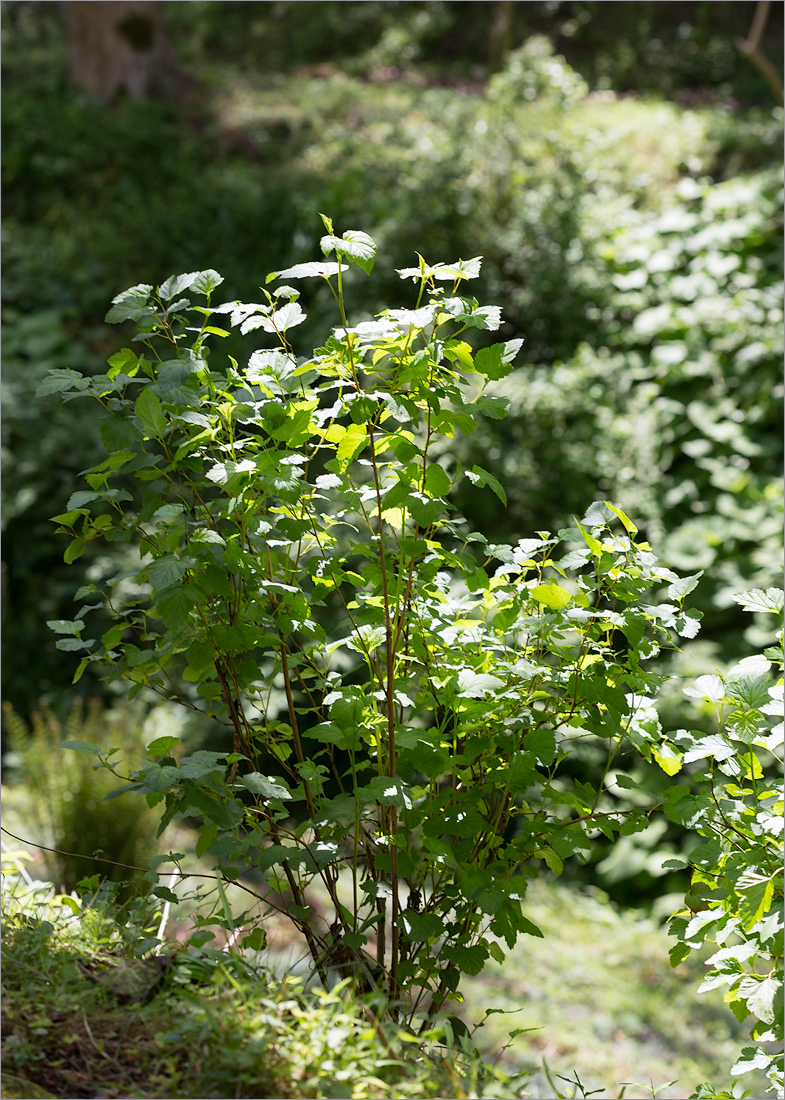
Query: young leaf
(206,281)
(469,960)
(482,317)
(708,687)
(552,596)
(74,550)
(354,440)
(80,670)
(598,514)
(286,317)
(491,362)
(628,524)
(324,269)
(65,626)
(175,605)
(176,284)
(267,788)
(594,544)
(715,746)
(667,759)
(62,380)
(130,305)
(161,745)
(165,571)
(495,408)
(463,269)
(475,685)
(760,996)
(756,895)
(756,599)
(437,482)
(683,586)
(355,246)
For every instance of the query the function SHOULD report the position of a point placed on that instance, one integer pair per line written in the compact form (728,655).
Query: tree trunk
(120,48)
(500,37)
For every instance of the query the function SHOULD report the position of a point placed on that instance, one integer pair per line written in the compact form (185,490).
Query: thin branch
(750,48)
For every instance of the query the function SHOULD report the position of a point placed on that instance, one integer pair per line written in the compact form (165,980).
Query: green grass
(600,992)
(211,1027)
(596,996)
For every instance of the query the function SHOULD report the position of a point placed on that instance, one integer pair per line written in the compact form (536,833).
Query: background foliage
(69,813)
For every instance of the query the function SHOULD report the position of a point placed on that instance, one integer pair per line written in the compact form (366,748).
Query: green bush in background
(674,404)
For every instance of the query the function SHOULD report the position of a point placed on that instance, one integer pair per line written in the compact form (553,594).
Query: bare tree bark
(750,48)
(500,38)
(120,48)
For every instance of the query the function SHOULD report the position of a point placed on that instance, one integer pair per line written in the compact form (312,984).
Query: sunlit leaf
(474,685)
(756,599)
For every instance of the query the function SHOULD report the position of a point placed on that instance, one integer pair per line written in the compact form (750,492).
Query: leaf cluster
(736,807)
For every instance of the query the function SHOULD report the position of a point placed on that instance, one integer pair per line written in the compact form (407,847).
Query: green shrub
(424,735)
(534,72)
(93,196)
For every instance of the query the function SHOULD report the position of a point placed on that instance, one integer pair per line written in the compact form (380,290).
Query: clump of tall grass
(67,790)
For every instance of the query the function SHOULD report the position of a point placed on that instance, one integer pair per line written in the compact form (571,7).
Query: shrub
(91,199)
(534,72)
(402,695)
